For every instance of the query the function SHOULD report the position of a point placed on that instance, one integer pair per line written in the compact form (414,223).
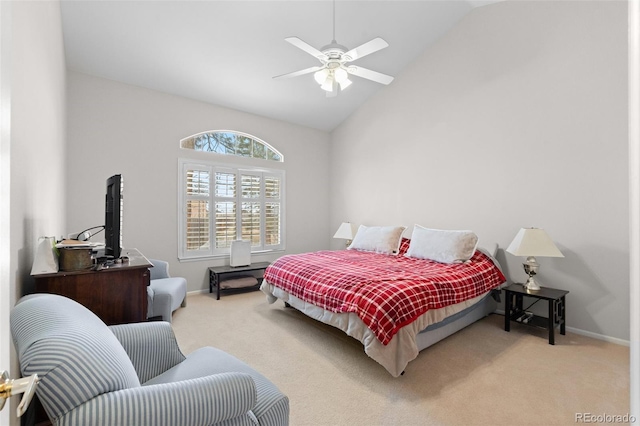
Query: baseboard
(598,336)
(591,334)
(206,290)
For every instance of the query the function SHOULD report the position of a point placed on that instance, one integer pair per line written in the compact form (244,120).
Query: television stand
(117,293)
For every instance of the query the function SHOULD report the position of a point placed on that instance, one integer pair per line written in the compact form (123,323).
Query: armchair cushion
(272,406)
(136,339)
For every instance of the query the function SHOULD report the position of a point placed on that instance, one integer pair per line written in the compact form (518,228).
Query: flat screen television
(113,217)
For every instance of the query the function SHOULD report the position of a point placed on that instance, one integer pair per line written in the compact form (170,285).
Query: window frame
(213,167)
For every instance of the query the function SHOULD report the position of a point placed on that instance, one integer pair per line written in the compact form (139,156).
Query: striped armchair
(133,374)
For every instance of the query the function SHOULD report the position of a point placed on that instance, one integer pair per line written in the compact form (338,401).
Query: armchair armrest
(151,346)
(160,269)
(203,401)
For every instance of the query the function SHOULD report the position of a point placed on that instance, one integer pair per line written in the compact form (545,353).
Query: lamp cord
(528,307)
(89,229)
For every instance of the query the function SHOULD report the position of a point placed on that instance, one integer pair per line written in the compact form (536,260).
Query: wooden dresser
(117,293)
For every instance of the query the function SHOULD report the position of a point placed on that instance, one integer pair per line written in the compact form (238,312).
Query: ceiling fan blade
(307,48)
(369,74)
(365,49)
(301,72)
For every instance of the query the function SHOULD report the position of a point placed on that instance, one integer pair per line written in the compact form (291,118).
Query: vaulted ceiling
(226,52)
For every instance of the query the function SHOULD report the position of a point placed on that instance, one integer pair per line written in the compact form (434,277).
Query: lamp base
(531,285)
(531,268)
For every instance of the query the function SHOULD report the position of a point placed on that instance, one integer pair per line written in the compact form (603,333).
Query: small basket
(75,259)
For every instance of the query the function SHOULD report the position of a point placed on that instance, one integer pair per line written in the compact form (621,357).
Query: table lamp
(529,243)
(346,231)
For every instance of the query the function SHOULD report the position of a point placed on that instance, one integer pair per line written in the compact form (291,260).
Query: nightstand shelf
(535,321)
(514,309)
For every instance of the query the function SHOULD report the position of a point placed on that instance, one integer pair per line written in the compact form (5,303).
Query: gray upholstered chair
(133,374)
(165,293)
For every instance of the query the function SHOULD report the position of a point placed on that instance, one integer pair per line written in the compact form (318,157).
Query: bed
(394,301)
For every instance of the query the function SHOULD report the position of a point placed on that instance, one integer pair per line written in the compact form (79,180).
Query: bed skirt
(428,329)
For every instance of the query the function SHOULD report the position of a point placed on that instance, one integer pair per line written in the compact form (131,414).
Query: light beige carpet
(482,375)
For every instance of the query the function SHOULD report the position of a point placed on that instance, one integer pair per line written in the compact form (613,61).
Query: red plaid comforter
(386,292)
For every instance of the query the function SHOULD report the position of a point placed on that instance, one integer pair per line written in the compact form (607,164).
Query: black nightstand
(514,311)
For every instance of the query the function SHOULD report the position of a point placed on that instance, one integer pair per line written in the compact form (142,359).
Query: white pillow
(441,245)
(379,239)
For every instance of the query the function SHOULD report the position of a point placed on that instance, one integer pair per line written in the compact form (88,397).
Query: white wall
(38,131)
(118,128)
(36,151)
(516,118)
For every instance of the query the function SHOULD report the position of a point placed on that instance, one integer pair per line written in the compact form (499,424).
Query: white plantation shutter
(222,203)
(273,221)
(250,218)
(196,219)
(226,207)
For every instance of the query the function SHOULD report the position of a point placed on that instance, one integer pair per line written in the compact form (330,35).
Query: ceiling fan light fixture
(341,75)
(329,84)
(345,84)
(321,76)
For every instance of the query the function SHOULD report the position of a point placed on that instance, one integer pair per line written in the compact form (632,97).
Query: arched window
(228,142)
(222,202)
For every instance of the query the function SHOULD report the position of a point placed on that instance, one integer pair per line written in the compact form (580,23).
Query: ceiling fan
(333,73)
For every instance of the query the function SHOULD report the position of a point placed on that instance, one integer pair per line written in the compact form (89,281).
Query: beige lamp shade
(533,242)
(345,231)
